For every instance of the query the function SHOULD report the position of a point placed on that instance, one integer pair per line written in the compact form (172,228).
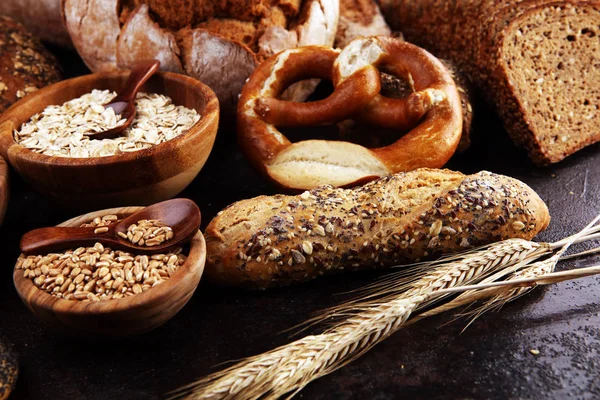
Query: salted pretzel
(433,112)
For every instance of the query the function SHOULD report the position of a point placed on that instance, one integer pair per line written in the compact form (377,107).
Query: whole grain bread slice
(536,61)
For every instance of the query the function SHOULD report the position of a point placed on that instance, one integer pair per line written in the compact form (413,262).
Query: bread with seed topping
(278,240)
(9,370)
(535,61)
(25,64)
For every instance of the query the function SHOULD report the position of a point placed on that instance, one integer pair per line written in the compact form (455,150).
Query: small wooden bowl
(122,317)
(4,191)
(142,177)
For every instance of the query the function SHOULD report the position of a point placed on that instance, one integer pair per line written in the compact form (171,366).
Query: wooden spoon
(182,215)
(124,102)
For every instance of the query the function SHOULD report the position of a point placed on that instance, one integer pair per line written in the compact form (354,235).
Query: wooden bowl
(142,177)
(122,317)
(4,191)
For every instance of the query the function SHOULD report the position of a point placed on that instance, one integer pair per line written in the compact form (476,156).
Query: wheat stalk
(381,311)
(498,295)
(290,367)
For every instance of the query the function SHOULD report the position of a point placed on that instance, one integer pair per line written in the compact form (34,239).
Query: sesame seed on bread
(9,370)
(25,65)
(278,240)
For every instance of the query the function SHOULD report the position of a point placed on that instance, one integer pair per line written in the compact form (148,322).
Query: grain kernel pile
(148,232)
(63,130)
(99,273)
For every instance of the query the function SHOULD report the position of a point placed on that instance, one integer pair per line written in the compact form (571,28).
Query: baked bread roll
(217,42)
(25,65)
(9,370)
(396,88)
(278,240)
(359,18)
(40,17)
(536,62)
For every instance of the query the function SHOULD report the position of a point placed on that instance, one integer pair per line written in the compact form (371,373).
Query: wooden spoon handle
(47,240)
(138,76)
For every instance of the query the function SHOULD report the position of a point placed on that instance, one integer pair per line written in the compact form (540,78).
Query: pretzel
(433,111)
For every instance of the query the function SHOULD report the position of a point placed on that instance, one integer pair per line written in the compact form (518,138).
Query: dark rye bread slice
(536,61)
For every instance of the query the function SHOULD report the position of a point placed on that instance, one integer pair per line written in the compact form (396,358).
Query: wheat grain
(99,273)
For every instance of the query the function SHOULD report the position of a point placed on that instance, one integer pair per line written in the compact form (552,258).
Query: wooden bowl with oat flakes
(126,316)
(145,176)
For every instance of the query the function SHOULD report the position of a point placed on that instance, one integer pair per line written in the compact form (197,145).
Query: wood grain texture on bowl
(142,177)
(122,317)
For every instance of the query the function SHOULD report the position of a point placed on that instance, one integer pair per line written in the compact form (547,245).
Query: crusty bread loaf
(359,18)
(9,370)
(40,17)
(536,61)
(278,240)
(215,41)
(25,65)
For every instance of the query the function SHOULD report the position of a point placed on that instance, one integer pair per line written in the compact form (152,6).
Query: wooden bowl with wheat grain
(117,317)
(133,178)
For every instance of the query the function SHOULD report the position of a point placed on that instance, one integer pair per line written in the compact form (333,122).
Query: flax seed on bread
(536,61)
(279,240)
(25,65)
(9,370)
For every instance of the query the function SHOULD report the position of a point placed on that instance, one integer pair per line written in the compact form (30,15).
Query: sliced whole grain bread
(536,61)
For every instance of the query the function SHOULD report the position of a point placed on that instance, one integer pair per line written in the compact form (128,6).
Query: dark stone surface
(431,359)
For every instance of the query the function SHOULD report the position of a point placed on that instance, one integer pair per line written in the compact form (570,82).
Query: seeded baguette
(278,240)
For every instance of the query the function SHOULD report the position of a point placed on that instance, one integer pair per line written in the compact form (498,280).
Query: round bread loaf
(359,18)
(9,370)
(25,65)
(41,17)
(218,42)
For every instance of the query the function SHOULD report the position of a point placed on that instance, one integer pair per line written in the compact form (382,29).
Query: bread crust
(278,240)
(25,65)
(472,34)
(141,38)
(41,17)
(359,18)
(9,370)
(94,29)
(109,34)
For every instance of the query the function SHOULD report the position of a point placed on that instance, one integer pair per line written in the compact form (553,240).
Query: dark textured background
(491,359)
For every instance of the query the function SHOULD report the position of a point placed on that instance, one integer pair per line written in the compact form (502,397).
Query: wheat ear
(497,295)
(289,368)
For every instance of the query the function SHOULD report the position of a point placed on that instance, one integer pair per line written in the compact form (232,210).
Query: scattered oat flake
(535,352)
